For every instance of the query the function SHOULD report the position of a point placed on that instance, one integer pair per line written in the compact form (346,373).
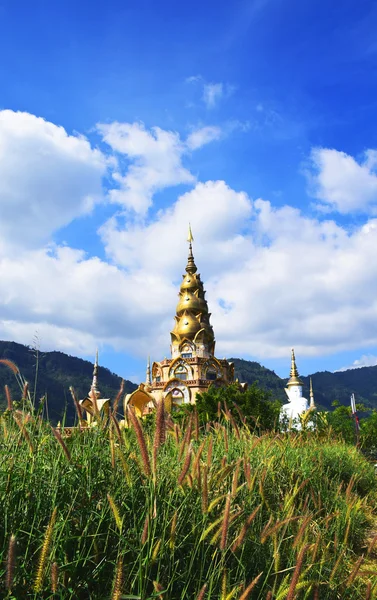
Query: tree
(253,404)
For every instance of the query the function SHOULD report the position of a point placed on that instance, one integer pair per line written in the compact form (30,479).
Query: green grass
(90,524)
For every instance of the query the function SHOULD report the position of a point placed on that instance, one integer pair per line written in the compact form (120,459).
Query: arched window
(177,397)
(180,372)
(211,374)
(186,351)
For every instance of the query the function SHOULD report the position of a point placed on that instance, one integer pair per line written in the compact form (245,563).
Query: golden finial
(191,266)
(190,237)
(294,376)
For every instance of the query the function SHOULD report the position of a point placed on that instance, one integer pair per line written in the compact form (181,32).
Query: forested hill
(56,373)
(327,386)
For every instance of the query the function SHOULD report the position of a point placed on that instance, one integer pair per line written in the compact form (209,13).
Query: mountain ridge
(58,371)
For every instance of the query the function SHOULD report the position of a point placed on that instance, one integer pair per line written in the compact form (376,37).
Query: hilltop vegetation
(56,373)
(179,512)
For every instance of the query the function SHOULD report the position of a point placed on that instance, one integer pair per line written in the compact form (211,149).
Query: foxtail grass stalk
(240,538)
(202,592)
(54,577)
(205,490)
(38,584)
(18,418)
(10,364)
(246,594)
(235,479)
(115,511)
(186,466)
(117,399)
(141,441)
(355,571)
(117,428)
(112,447)
(11,563)
(77,407)
(225,526)
(173,530)
(8,397)
(296,573)
(62,443)
(209,452)
(158,588)
(160,432)
(144,535)
(224,585)
(118,580)
(156,551)
(302,530)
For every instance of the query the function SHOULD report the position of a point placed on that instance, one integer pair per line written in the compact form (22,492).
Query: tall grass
(182,513)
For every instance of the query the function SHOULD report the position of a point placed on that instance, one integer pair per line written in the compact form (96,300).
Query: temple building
(193,366)
(297,405)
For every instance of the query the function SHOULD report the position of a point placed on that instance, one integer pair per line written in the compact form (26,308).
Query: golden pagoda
(193,366)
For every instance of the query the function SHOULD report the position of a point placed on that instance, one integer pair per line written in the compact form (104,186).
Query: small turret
(312,404)
(148,379)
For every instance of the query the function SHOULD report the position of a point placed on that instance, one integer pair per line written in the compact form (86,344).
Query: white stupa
(297,404)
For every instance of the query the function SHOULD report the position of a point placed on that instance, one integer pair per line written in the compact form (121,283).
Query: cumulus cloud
(274,277)
(216,213)
(366,360)
(341,183)
(155,160)
(76,302)
(47,178)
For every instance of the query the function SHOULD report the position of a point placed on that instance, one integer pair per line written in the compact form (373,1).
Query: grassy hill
(56,373)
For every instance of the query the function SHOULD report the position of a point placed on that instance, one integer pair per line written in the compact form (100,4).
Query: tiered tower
(193,366)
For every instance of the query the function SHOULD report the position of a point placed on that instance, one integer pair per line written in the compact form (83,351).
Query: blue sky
(281,97)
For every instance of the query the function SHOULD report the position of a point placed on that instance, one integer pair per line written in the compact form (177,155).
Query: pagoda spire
(312,404)
(94,387)
(192,322)
(191,266)
(148,380)
(294,376)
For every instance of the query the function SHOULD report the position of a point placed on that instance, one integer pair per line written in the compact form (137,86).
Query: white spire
(312,404)
(148,380)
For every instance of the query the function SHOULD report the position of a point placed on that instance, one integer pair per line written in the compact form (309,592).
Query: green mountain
(327,386)
(56,373)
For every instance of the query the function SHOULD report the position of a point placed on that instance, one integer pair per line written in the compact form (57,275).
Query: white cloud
(366,360)
(216,213)
(203,136)
(341,183)
(155,160)
(47,178)
(212,93)
(76,303)
(275,278)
